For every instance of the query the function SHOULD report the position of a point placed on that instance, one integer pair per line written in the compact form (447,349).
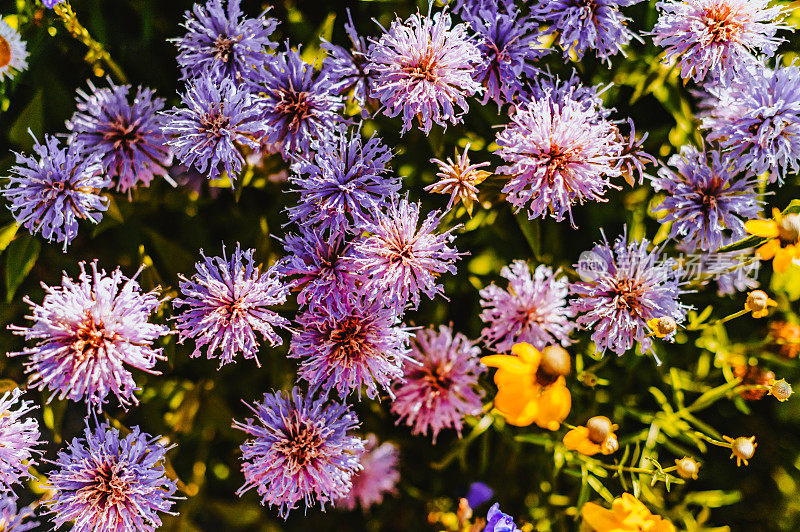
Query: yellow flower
(758,302)
(663,326)
(596,437)
(627,513)
(524,395)
(742,448)
(783,233)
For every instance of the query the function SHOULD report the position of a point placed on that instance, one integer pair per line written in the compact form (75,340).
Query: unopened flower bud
(663,326)
(757,302)
(687,467)
(599,428)
(555,361)
(781,390)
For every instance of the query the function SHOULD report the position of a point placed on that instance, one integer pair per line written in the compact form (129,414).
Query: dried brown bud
(599,428)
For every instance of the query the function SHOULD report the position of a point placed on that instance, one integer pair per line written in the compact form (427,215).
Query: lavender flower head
(299,104)
(497,521)
(705,203)
(86,333)
(378,476)
(441,382)
(508,46)
(19,435)
(558,154)
(347,68)
(104,481)
(399,259)
(359,343)
(13,519)
(221,43)
(300,450)
(757,119)
(342,182)
(587,24)
(319,267)
(533,309)
(50,4)
(460,179)
(126,136)
(717,38)
(218,117)
(52,193)
(623,287)
(226,303)
(424,69)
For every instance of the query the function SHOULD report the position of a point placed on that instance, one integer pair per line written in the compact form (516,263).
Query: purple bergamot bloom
(128,137)
(359,343)
(51,194)
(399,259)
(217,119)
(757,119)
(558,154)
(533,309)
(623,287)
(587,24)
(704,201)
(508,46)
(85,333)
(222,43)
(459,178)
(318,267)
(13,519)
(106,482)
(717,38)
(300,450)
(342,182)
(377,478)
(299,104)
(226,303)
(347,69)
(497,521)
(19,436)
(424,69)
(440,382)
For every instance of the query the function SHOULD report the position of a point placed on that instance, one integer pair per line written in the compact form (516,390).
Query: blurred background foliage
(193,403)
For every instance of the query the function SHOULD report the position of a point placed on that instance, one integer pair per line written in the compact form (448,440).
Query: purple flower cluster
(104,481)
(441,381)
(19,436)
(13,519)
(377,478)
(226,303)
(300,450)
(533,309)
(497,521)
(85,335)
(51,194)
(347,68)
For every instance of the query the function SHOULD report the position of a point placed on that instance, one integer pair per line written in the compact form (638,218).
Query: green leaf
(601,490)
(745,243)
(787,282)
(22,255)
(7,235)
(792,208)
(32,117)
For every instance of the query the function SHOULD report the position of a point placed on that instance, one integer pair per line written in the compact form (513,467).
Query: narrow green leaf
(21,256)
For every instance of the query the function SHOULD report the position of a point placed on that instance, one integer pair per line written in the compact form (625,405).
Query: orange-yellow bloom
(596,437)
(524,394)
(758,302)
(783,233)
(627,513)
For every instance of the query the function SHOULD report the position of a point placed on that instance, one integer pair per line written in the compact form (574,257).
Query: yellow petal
(782,261)
(554,405)
(507,363)
(768,250)
(598,518)
(765,228)
(528,353)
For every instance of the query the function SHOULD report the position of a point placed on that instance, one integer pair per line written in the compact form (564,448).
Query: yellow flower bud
(687,467)
(781,390)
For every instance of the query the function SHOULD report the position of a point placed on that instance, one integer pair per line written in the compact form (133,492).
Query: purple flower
(533,309)
(508,46)
(460,179)
(85,333)
(378,475)
(585,24)
(623,287)
(104,481)
(299,451)
(357,343)
(399,260)
(50,195)
(558,154)
(497,521)
(347,69)
(19,435)
(424,69)
(342,182)
(219,116)
(221,43)
(757,119)
(226,303)
(705,203)
(717,37)
(13,519)
(738,280)
(126,136)
(478,494)
(299,104)
(440,382)
(319,267)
